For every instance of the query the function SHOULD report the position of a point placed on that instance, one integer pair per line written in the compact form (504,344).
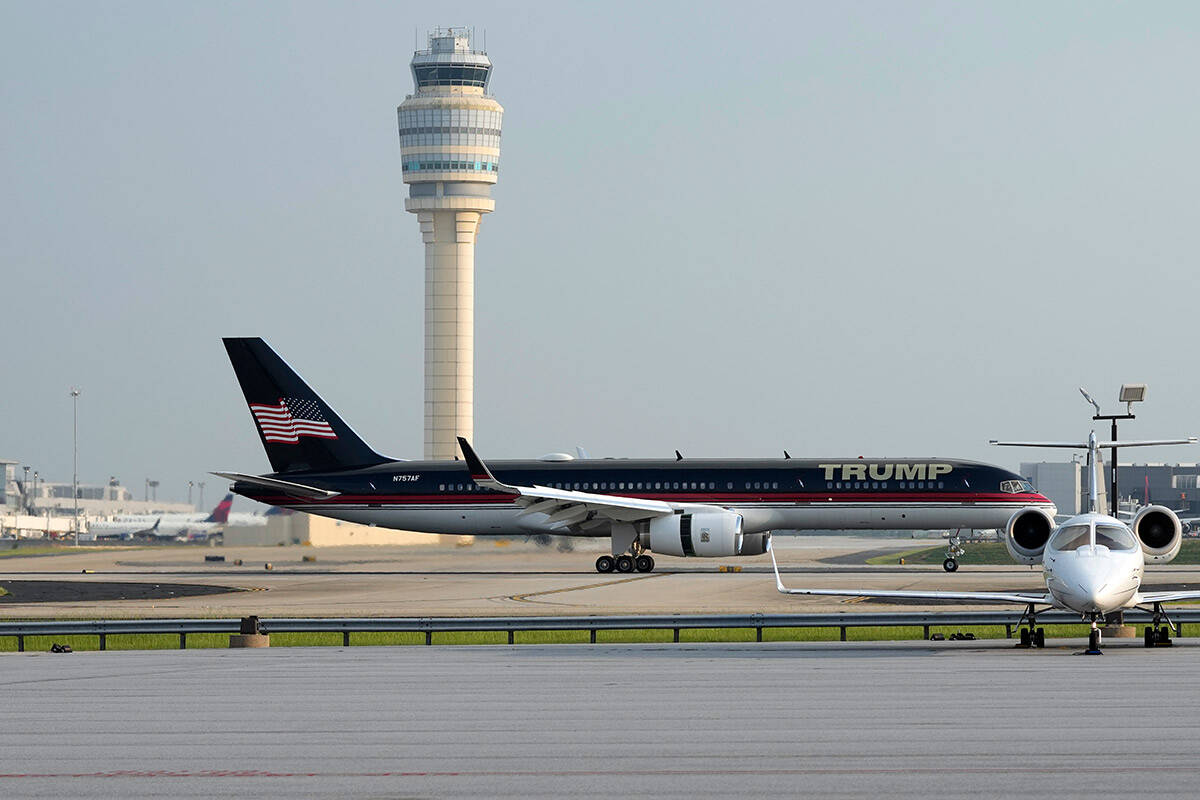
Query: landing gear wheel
(1026,639)
(950,565)
(644,564)
(1039,637)
(1163,637)
(1151,637)
(605,564)
(624,563)
(1094,642)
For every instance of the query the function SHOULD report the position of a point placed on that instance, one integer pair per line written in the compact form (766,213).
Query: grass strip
(995,553)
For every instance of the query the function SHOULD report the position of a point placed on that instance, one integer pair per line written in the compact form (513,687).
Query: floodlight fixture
(1132,393)
(1089,398)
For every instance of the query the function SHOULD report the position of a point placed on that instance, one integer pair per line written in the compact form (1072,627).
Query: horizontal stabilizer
(285,487)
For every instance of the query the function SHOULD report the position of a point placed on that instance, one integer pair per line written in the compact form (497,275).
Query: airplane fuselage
(1093,578)
(779,494)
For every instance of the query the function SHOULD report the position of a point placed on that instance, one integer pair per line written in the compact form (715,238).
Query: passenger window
(920,484)
(774,485)
(675,486)
(441,487)
(874,484)
(729,485)
(657,485)
(941,484)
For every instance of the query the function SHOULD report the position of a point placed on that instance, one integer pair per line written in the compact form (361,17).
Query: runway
(830,720)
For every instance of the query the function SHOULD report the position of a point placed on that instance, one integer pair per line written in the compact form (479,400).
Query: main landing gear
(1159,635)
(625,563)
(1031,634)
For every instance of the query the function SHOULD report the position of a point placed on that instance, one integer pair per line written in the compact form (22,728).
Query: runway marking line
(524,598)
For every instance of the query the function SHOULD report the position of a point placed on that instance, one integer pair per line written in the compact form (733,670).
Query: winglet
(778,581)
(479,471)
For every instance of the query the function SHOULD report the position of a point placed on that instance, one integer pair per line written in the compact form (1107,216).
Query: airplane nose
(1093,584)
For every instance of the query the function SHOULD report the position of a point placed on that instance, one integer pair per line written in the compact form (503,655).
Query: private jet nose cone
(1093,581)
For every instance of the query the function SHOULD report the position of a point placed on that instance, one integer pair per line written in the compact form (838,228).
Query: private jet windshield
(1072,537)
(1016,487)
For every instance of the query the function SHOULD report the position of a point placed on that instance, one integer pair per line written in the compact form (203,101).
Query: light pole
(190,485)
(25,489)
(1130,393)
(153,489)
(201,485)
(75,460)
(146,496)
(35,488)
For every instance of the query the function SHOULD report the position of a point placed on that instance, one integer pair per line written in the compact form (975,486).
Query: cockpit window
(1115,537)
(1016,487)
(1071,537)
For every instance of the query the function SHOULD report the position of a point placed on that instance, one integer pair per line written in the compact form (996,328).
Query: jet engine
(1159,531)
(709,534)
(755,544)
(1026,535)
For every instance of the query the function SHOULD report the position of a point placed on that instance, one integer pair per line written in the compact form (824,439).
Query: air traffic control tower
(450,146)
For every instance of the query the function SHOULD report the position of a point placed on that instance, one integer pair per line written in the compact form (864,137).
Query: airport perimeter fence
(513,625)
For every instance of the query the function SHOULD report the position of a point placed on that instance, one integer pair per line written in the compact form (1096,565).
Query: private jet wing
(1164,597)
(968,597)
(562,505)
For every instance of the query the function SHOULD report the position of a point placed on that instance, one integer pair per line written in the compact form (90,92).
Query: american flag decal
(290,420)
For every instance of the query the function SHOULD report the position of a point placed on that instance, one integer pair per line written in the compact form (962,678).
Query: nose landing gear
(953,552)
(1093,641)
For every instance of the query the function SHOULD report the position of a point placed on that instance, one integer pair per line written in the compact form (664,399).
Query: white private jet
(1092,562)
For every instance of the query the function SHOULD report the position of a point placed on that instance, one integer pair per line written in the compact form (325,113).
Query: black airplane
(716,508)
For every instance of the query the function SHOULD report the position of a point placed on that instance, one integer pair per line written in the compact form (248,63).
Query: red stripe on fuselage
(718,498)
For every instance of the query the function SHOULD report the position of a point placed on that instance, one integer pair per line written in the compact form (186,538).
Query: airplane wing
(1166,597)
(563,505)
(966,597)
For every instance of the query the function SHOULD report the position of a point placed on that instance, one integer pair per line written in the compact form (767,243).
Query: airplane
(680,507)
(164,526)
(1092,562)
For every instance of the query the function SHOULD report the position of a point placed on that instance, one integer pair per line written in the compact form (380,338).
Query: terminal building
(1176,486)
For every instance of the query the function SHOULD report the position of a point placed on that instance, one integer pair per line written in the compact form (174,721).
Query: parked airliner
(1092,563)
(164,526)
(679,507)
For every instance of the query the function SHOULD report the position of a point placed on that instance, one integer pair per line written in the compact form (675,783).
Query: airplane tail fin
(298,429)
(220,514)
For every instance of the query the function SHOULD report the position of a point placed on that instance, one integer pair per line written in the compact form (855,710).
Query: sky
(861,228)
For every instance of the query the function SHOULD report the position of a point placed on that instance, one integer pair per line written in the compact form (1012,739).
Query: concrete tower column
(449,238)
(450,147)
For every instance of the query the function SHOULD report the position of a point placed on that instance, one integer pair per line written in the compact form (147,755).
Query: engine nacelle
(1159,531)
(755,544)
(1026,535)
(710,534)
